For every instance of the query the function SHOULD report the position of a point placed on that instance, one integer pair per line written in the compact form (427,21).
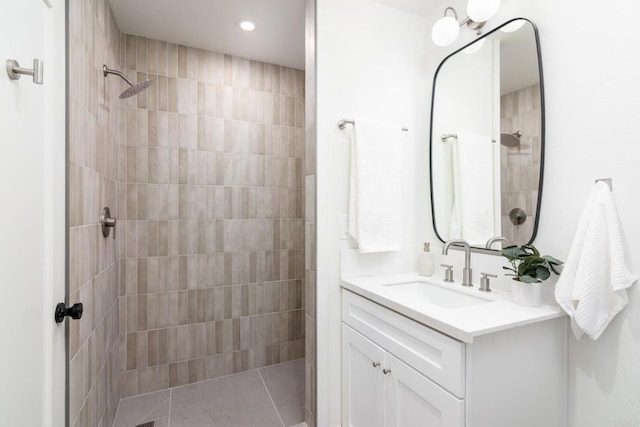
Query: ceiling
(419,7)
(213,25)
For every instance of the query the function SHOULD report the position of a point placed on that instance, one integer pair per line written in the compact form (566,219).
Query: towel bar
(342,123)
(446,136)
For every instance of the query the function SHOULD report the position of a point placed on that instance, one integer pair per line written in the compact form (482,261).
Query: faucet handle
(485,285)
(448,273)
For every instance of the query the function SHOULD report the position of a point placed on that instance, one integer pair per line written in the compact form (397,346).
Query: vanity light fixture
(446,29)
(247,25)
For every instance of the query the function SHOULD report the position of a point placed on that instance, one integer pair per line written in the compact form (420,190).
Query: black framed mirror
(487,138)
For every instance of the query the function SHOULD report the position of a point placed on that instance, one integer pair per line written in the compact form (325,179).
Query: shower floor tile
(265,397)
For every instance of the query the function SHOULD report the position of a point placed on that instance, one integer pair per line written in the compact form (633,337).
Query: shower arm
(106,71)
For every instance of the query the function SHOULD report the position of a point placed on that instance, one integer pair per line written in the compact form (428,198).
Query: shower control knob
(62,311)
(107,223)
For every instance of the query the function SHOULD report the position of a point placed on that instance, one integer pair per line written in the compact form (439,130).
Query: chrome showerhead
(135,89)
(131,91)
(510,139)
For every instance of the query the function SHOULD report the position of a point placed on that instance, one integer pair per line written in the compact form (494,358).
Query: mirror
(487,138)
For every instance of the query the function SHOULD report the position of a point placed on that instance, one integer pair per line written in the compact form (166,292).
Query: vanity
(422,352)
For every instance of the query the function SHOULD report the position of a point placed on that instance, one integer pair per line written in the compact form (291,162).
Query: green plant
(528,266)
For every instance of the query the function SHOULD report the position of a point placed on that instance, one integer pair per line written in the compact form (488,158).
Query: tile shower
(520,166)
(210,203)
(205,173)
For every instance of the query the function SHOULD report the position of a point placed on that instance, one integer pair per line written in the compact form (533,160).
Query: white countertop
(461,323)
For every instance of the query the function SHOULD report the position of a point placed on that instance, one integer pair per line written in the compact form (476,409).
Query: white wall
(593,130)
(370,64)
(372,59)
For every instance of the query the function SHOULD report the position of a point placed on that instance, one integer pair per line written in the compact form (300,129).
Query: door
(413,400)
(362,381)
(32,214)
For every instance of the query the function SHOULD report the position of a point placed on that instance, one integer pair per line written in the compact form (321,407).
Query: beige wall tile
(214,253)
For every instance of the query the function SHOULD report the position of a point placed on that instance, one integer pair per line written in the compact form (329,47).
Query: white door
(362,381)
(32,209)
(413,400)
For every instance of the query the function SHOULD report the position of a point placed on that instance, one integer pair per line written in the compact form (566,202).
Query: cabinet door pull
(376,364)
(386,371)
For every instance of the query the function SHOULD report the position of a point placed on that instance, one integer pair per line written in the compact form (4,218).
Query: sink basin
(412,292)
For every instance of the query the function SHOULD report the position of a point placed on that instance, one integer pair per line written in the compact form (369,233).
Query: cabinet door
(362,381)
(413,400)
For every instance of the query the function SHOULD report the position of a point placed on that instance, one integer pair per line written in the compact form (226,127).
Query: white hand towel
(592,286)
(472,216)
(375,193)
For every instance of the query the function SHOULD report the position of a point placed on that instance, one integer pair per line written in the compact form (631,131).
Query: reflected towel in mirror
(472,215)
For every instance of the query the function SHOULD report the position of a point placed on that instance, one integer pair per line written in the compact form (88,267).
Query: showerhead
(135,89)
(510,139)
(131,91)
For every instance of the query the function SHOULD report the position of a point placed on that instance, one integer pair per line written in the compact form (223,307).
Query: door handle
(62,311)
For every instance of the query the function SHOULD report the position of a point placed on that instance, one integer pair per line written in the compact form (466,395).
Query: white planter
(529,294)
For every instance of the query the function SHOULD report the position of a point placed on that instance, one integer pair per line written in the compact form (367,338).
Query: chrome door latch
(14,70)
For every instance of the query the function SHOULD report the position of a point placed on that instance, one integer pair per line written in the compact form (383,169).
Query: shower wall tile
(520,166)
(94,129)
(213,252)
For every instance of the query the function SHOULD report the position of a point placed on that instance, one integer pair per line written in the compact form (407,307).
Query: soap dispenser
(425,263)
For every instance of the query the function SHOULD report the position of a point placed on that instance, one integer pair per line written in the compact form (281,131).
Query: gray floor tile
(160,412)
(162,422)
(285,383)
(134,410)
(239,400)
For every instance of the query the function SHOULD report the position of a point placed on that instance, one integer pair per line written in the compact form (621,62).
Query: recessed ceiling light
(247,25)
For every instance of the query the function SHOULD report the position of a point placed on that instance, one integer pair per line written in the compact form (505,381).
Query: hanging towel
(472,214)
(375,191)
(592,286)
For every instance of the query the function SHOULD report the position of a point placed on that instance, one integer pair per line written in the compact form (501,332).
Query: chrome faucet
(493,240)
(466,271)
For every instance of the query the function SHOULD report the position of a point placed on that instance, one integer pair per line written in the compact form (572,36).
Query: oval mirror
(487,138)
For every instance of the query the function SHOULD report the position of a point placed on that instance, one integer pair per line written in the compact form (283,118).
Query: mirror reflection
(487,138)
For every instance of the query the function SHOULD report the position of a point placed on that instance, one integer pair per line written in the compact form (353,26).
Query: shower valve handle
(107,222)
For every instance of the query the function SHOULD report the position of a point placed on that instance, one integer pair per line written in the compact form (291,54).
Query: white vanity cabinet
(381,390)
(397,372)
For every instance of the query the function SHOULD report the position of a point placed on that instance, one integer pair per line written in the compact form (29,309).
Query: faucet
(493,240)
(466,271)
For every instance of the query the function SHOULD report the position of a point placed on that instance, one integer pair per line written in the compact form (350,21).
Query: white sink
(407,292)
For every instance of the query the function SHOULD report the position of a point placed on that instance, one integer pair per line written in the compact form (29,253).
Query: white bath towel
(592,286)
(375,192)
(472,215)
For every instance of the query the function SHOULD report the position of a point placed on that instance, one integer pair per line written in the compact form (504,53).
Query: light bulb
(445,31)
(482,10)
(474,47)
(513,26)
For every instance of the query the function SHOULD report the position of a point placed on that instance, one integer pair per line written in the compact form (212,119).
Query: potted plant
(529,270)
